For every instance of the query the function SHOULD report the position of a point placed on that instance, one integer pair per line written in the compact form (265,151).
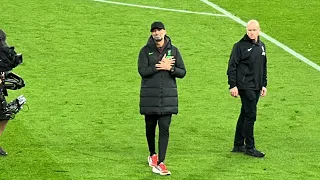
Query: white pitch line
(159,8)
(279,44)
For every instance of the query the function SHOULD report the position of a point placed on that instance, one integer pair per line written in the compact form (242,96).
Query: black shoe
(254,152)
(2,152)
(238,149)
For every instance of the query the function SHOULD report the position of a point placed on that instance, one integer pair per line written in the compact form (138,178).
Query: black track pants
(164,124)
(245,124)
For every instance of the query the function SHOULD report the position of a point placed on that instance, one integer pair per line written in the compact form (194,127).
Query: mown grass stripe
(159,8)
(269,38)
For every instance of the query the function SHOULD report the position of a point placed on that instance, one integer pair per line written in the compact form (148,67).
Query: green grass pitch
(82,90)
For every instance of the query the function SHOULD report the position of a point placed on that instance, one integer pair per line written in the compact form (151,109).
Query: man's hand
(170,60)
(263,91)
(234,92)
(165,63)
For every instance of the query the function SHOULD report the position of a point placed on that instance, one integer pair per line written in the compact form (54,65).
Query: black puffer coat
(158,94)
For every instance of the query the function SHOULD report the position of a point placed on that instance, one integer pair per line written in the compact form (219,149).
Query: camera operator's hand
(165,63)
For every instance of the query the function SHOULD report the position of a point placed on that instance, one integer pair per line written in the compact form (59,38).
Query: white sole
(155,170)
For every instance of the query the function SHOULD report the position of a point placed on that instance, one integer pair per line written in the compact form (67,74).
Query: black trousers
(163,122)
(245,125)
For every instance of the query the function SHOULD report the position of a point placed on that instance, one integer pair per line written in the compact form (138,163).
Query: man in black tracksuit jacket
(247,77)
(159,64)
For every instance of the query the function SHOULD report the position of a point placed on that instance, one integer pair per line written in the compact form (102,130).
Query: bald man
(247,77)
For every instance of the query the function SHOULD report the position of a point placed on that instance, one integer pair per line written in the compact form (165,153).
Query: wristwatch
(172,69)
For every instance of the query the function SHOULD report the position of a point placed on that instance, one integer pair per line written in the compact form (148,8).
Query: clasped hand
(165,63)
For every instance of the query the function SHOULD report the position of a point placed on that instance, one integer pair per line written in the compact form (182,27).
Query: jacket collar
(247,39)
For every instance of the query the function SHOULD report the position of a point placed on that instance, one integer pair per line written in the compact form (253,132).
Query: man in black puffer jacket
(159,64)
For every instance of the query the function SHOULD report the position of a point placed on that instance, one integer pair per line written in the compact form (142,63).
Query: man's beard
(157,38)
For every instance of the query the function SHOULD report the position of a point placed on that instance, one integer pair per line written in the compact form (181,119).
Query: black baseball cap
(157,25)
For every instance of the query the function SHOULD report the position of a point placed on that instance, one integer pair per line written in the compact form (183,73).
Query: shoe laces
(154,159)
(163,167)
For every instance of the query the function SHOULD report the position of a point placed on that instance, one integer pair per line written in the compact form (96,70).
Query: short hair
(253,21)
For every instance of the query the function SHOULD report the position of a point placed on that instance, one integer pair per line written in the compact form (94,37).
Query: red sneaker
(161,169)
(153,160)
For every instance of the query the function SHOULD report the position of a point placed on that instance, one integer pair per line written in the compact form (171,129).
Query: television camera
(9,59)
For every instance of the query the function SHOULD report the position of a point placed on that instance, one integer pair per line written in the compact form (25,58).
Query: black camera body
(9,58)
(14,58)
